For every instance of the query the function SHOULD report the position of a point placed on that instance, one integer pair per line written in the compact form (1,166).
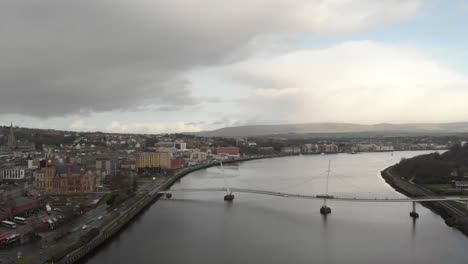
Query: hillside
(336,128)
(435,168)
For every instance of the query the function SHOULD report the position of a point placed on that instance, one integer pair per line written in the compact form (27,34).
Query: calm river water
(202,228)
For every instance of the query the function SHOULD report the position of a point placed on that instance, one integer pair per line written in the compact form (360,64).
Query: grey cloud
(64,57)
(212,99)
(168,108)
(219,122)
(194,123)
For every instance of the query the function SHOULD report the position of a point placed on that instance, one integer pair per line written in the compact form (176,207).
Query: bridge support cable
(229,196)
(325,198)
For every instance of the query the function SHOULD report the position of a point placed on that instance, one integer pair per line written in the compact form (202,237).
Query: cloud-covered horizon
(152,66)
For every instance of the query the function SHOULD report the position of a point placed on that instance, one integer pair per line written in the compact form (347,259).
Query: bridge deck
(321,197)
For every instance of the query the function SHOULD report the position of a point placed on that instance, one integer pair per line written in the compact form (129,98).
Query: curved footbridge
(324,198)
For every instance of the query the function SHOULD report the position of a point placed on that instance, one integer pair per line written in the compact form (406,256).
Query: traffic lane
(91,216)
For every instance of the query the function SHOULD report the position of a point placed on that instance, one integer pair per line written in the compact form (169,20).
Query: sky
(165,66)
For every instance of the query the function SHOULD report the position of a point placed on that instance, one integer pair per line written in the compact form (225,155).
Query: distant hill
(336,128)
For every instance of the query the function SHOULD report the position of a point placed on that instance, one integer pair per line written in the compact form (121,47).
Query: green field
(444,189)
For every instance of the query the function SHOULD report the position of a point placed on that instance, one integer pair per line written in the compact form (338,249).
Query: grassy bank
(450,218)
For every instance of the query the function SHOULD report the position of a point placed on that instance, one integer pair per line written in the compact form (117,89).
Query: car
(83,227)
(99,217)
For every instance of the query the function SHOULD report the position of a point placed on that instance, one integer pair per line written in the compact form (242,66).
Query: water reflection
(202,228)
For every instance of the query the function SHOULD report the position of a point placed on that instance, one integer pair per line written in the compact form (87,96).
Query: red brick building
(177,163)
(66,179)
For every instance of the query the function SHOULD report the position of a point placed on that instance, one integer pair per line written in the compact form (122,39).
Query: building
(39,179)
(32,164)
(328,148)
(291,150)
(227,151)
(64,179)
(461,184)
(153,161)
(106,166)
(165,146)
(374,147)
(197,155)
(14,146)
(384,148)
(266,150)
(310,148)
(181,146)
(128,165)
(177,163)
(17,173)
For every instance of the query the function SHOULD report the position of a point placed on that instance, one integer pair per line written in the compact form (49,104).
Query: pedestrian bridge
(323,198)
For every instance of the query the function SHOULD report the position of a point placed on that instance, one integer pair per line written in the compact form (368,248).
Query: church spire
(11,137)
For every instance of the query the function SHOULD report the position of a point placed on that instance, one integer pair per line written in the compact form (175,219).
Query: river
(202,228)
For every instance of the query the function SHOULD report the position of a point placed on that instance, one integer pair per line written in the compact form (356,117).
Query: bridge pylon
(325,209)
(413,213)
(229,197)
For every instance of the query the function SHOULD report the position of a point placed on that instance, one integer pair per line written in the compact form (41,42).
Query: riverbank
(452,213)
(73,255)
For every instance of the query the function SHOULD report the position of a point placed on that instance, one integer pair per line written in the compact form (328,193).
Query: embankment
(412,190)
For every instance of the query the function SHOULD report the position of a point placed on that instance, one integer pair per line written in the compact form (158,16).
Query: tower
(11,138)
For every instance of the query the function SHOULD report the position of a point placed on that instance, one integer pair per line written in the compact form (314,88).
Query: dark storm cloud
(60,57)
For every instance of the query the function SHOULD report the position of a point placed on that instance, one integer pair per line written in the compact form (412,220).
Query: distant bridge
(324,198)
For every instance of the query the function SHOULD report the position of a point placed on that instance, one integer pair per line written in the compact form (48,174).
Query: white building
(198,156)
(32,164)
(181,146)
(291,150)
(17,173)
